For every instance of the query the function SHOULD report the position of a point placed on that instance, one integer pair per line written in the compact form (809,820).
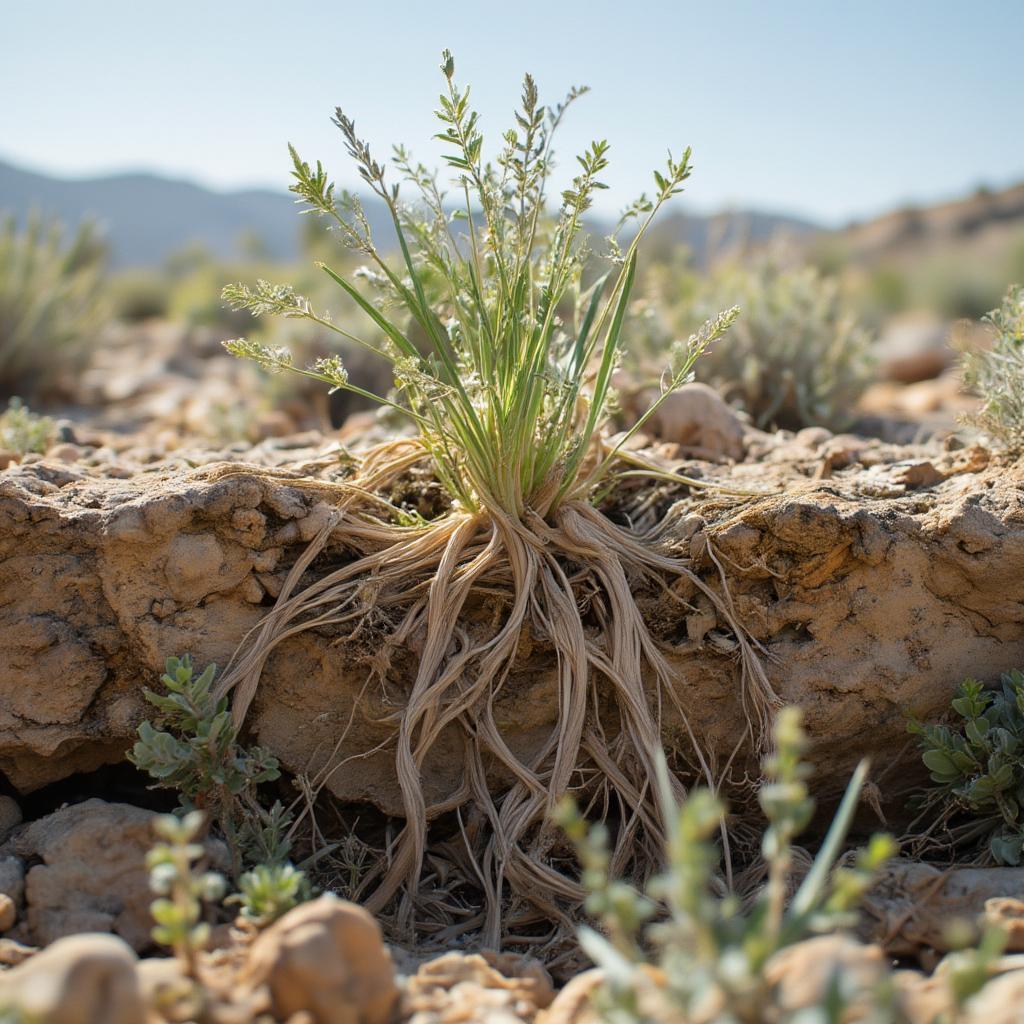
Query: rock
(923,999)
(697,417)
(12,879)
(1007,913)
(913,348)
(13,952)
(82,979)
(66,452)
(574,1003)
(93,874)
(8,458)
(469,987)
(912,904)
(802,974)
(8,913)
(10,816)
(328,959)
(273,423)
(1001,1001)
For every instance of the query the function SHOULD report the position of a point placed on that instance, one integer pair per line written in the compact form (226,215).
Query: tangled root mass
(569,579)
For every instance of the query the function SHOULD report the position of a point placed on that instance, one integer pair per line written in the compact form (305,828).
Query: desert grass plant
(51,303)
(997,375)
(502,351)
(707,953)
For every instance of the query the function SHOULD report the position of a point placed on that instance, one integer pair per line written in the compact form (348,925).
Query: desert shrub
(193,748)
(996,374)
(137,295)
(711,953)
(796,357)
(24,431)
(51,303)
(977,764)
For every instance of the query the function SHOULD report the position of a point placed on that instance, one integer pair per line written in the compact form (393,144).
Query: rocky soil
(875,576)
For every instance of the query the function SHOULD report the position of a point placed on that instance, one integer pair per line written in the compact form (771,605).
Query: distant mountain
(146,217)
(982,218)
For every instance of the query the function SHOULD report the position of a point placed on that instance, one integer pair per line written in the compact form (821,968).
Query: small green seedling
(270,890)
(193,748)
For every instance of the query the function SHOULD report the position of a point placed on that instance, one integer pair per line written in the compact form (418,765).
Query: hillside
(146,217)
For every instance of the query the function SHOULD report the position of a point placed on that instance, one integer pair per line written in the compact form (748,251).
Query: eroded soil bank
(876,577)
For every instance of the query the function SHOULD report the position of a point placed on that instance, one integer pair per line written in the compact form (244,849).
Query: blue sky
(827,109)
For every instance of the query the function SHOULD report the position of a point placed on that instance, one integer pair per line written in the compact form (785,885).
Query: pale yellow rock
(802,974)
(1001,1001)
(327,958)
(82,979)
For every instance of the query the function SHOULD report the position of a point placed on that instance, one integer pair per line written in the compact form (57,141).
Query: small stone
(274,423)
(1007,914)
(64,430)
(66,453)
(803,974)
(13,953)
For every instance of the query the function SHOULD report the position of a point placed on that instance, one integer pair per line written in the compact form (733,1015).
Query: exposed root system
(566,575)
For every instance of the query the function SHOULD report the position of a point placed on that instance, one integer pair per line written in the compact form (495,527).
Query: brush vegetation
(996,374)
(976,765)
(708,951)
(51,303)
(502,346)
(798,356)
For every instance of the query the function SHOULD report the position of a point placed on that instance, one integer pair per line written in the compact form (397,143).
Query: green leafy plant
(797,357)
(270,890)
(977,765)
(708,952)
(181,891)
(51,303)
(23,431)
(502,343)
(193,748)
(997,374)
